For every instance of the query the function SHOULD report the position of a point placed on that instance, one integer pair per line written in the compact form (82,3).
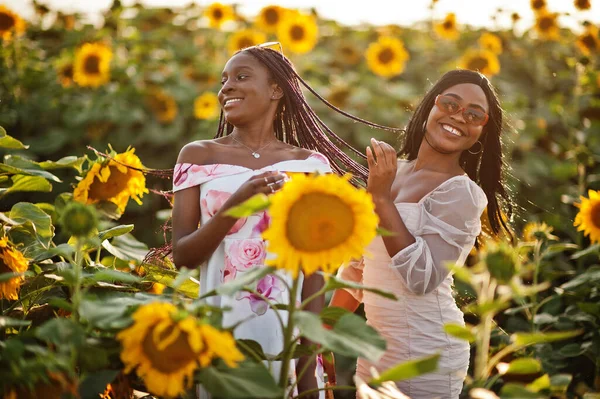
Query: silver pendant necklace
(255,154)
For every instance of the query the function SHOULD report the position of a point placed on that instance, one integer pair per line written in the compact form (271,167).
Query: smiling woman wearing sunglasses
(433,200)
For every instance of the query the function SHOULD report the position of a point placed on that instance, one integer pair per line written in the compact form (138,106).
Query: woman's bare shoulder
(200,152)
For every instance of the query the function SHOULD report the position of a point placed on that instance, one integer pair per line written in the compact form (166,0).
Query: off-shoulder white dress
(242,250)
(445,224)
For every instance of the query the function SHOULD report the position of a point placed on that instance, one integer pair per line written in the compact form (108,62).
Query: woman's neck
(254,136)
(431,158)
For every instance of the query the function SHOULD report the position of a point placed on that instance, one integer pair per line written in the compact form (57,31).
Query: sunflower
(348,54)
(546,25)
(10,24)
(116,180)
(218,13)
(319,222)
(245,38)
(534,231)
(387,57)
(588,218)
(298,32)
(11,261)
(65,74)
(166,348)
(270,17)
(483,61)
(538,5)
(491,42)
(448,29)
(163,106)
(583,5)
(206,106)
(589,42)
(92,65)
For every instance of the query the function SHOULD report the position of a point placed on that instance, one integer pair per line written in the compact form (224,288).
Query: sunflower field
(94,112)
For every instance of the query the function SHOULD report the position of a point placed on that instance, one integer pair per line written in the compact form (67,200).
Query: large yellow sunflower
(588,42)
(245,38)
(319,222)
(447,29)
(92,65)
(10,24)
(483,61)
(218,14)
(113,181)
(588,218)
(582,5)
(387,57)
(163,106)
(298,32)
(166,349)
(269,18)
(491,42)
(546,25)
(206,106)
(11,261)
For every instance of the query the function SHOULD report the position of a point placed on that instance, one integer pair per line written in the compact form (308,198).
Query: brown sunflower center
(583,4)
(318,222)
(217,14)
(538,4)
(297,33)
(448,25)
(67,71)
(595,215)
(386,55)
(117,182)
(271,16)
(6,21)
(589,41)
(546,23)
(478,63)
(244,42)
(173,357)
(92,64)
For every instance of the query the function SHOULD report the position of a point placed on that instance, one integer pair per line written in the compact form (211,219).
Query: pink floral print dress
(242,249)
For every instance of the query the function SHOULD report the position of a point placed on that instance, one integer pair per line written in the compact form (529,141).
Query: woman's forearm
(390,219)
(195,248)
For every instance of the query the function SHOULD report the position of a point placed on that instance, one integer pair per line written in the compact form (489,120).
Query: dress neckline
(252,169)
(432,191)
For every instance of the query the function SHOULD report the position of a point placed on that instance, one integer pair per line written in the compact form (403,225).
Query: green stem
(287,336)
(498,356)
(76,294)
(537,259)
(488,289)
(313,358)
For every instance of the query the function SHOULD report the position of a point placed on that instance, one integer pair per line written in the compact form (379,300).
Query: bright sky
(400,12)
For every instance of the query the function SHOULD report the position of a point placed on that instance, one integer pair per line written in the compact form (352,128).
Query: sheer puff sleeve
(448,224)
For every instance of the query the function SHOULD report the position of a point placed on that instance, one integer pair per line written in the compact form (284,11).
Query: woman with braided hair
(266,129)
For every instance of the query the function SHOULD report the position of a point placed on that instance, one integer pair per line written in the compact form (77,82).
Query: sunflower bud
(78,219)
(501,262)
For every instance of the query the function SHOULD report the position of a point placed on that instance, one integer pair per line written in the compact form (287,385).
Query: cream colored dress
(445,224)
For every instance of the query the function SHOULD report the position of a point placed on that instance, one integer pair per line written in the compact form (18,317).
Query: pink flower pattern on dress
(262,224)
(188,174)
(245,254)
(270,287)
(229,272)
(214,201)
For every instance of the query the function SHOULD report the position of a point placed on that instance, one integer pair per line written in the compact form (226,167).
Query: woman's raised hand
(265,183)
(383,164)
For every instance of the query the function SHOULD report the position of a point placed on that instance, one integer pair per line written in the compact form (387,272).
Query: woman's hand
(383,164)
(265,183)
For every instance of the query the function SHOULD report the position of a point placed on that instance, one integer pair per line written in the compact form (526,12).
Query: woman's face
(451,133)
(246,93)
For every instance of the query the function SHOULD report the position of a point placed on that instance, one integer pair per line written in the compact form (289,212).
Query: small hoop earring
(477,152)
